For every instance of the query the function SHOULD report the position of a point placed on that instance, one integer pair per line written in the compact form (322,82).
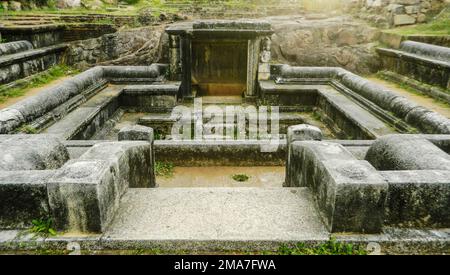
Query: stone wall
(17,5)
(140,46)
(19,59)
(386,13)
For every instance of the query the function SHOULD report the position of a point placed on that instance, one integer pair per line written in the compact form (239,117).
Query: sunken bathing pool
(324,138)
(97,103)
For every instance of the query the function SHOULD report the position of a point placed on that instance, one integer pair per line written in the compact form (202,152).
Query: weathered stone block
(418,199)
(304,132)
(23,197)
(136,133)
(31,152)
(397,152)
(15,47)
(85,193)
(350,193)
(403,19)
(298,133)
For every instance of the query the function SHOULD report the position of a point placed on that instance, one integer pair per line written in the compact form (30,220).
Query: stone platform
(211,215)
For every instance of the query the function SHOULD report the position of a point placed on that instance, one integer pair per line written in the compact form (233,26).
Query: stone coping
(31,29)
(15,47)
(237,29)
(427,121)
(422,59)
(14,58)
(432,51)
(33,107)
(157,89)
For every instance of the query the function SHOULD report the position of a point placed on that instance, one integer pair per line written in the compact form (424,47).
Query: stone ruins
(358,161)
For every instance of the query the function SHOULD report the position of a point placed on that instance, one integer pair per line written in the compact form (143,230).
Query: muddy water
(221,176)
(422,100)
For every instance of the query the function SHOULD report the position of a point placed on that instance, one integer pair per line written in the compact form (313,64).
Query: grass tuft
(164,169)
(332,247)
(241,177)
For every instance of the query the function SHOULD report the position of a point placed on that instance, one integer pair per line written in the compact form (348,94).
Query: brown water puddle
(221,176)
(422,100)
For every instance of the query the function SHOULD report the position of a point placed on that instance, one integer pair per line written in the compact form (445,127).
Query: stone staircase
(234,8)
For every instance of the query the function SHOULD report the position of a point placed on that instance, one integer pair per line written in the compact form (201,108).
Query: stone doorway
(219,57)
(219,67)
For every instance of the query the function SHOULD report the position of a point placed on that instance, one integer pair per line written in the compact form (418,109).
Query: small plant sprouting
(164,169)
(241,177)
(332,247)
(28,129)
(43,227)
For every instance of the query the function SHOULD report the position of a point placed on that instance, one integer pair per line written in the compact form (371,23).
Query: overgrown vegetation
(43,227)
(36,81)
(131,2)
(332,247)
(440,25)
(164,169)
(241,177)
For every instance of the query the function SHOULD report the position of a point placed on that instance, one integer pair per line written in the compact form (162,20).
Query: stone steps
(29,19)
(217,218)
(77,121)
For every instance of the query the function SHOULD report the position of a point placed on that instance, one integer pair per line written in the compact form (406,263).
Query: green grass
(241,177)
(332,247)
(39,80)
(164,169)
(438,26)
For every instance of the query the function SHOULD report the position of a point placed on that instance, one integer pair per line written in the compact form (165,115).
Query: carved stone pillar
(174,56)
(252,66)
(264,60)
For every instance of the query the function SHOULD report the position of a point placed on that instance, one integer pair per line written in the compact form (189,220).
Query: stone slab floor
(217,215)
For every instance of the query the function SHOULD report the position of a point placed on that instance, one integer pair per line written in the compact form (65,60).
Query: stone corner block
(136,132)
(304,132)
(75,195)
(359,198)
(350,193)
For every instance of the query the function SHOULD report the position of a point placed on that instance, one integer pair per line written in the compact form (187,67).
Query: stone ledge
(29,54)
(427,121)
(36,106)
(392,241)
